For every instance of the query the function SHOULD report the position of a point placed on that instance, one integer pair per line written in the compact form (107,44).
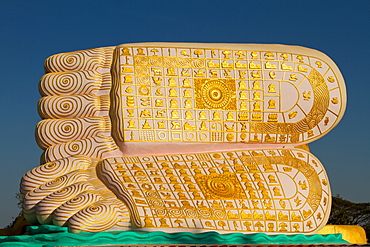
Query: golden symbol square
(220,186)
(215,94)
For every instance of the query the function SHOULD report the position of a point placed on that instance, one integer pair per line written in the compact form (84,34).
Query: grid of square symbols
(163,85)
(157,183)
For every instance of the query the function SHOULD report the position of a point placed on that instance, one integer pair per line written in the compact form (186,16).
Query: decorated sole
(98,102)
(279,190)
(209,93)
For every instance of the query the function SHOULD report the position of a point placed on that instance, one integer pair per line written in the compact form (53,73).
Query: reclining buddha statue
(184,137)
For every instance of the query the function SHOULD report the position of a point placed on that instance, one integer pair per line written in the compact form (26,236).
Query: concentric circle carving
(216,94)
(221,186)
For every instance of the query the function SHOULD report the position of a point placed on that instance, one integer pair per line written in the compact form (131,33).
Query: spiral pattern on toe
(35,196)
(79,106)
(52,170)
(92,59)
(94,147)
(70,130)
(63,213)
(70,83)
(55,199)
(97,217)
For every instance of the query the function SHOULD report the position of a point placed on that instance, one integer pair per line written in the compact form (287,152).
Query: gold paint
(140,52)
(268,65)
(189,115)
(243,95)
(160,114)
(354,234)
(157,72)
(184,53)
(229,128)
(127,70)
(272,74)
(326,121)
(129,90)
(161,125)
(252,65)
(331,79)
(230,116)
(242,74)
(242,85)
(171,82)
(271,103)
(303,185)
(188,126)
(256,116)
(186,83)
(302,69)
(157,81)
(271,88)
(131,124)
(257,96)
(243,116)
(174,114)
(286,67)
(158,102)
(143,90)
(269,56)
(236,163)
(284,56)
(212,64)
(214,73)
(185,72)
(130,101)
(127,79)
(240,65)
(293,77)
(226,54)
(146,125)
(172,92)
(227,73)
(225,64)
(256,75)
(171,72)
(130,112)
(306,96)
(125,52)
(256,85)
(199,73)
(292,114)
(254,55)
(240,54)
(203,126)
(188,104)
(335,100)
(256,106)
(175,125)
(216,116)
(145,101)
(187,93)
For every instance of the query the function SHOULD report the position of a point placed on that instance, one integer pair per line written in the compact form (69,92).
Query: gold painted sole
(209,93)
(281,190)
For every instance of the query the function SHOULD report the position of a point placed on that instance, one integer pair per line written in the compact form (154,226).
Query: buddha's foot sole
(281,190)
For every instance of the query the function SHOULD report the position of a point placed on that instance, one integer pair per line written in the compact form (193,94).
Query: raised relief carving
(98,98)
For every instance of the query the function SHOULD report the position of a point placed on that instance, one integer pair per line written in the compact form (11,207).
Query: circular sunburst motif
(216,94)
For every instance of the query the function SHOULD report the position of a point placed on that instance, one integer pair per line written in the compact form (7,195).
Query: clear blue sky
(33,30)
